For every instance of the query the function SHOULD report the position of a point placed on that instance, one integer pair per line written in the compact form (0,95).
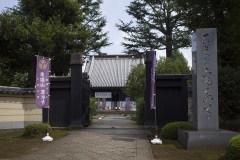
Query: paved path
(114,137)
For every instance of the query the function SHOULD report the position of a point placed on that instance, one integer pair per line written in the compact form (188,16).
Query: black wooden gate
(69,98)
(60,102)
(86,102)
(171,97)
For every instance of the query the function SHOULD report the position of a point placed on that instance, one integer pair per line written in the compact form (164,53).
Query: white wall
(16,111)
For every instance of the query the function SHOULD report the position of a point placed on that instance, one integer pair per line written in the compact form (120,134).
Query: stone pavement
(114,137)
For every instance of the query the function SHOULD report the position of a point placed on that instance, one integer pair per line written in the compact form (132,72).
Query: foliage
(220,14)
(156,25)
(175,65)
(229,96)
(95,22)
(233,150)
(136,79)
(135,82)
(170,130)
(135,89)
(49,28)
(140,110)
(37,129)
(6,75)
(20,80)
(93,108)
(230,47)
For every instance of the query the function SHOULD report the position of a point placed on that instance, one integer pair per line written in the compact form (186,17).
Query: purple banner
(152,90)
(127,104)
(42,82)
(98,105)
(103,103)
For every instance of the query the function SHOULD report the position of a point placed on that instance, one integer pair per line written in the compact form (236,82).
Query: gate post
(76,92)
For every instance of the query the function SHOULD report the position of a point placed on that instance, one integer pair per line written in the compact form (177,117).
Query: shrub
(229,96)
(233,150)
(140,110)
(170,130)
(93,108)
(37,129)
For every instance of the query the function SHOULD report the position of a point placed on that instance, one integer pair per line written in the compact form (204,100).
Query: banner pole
(48,115)
(156,140)
(49,92)
(155,108)
(43,67)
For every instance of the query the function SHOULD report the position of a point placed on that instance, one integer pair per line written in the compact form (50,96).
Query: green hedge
(233,150)
(93,108)
(170,130)
(37,129)
(140,110)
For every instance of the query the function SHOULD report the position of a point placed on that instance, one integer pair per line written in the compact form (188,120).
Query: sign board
(103,95)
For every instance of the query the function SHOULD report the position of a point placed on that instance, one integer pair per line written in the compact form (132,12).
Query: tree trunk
(169,38)
(169,46)
(32,73)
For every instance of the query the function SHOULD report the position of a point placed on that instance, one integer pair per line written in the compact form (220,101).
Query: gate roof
(109,70)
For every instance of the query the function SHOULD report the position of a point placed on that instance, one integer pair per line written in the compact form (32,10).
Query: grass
(13,144)
(172,150)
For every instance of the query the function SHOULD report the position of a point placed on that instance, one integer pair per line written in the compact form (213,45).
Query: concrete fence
(17,108)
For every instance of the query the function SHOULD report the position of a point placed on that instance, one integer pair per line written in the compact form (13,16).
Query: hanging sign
(103,95)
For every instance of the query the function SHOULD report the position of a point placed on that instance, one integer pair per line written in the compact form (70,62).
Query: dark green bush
(37,129)
(228,92)
(93,108)
(140,110)
(170,130)
(233,150)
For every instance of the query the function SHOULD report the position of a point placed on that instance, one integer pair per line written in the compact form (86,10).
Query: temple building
(108,76)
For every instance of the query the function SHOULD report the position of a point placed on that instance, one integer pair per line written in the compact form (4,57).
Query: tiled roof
(109,71)
(16,90)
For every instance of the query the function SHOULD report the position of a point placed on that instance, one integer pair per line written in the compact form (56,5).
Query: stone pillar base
(191,139)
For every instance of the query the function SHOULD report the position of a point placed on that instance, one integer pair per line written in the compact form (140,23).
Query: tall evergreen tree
(94,21)
(220,14)
(155,25)
(48,28)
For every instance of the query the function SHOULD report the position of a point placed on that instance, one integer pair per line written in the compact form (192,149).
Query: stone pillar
(76,91)
(205,80)
(149,120)
(206,133)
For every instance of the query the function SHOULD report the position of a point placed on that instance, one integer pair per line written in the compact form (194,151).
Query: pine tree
(220,14)
(94,21)
(50,28)
(155,25)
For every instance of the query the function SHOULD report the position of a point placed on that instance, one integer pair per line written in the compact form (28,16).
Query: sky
(113,10)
